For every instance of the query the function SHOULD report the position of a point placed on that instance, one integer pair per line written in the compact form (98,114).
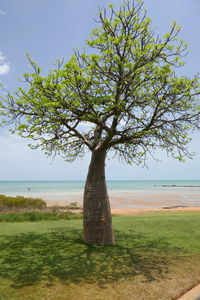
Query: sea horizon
(106,180)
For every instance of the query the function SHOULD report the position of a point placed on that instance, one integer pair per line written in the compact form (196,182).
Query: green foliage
(21,202)
(123,96)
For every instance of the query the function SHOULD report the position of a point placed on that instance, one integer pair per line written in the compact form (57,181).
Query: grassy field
(35,216)
(156,257)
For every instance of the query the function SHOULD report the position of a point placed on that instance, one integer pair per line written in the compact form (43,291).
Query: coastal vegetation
(156,256)
(125,97)
(23,209)
(20,202)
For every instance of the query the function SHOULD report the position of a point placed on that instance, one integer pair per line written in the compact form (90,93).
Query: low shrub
(20,202)
(74,205)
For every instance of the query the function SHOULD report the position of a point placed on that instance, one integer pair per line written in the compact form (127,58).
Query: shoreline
(153,194)
(127,211)
(141,211)
(137,199)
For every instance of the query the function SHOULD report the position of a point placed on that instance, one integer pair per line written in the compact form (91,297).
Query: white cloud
(4,65)
(2,12)
(4,69)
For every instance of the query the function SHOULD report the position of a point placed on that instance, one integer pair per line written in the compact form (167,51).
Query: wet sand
(137,199)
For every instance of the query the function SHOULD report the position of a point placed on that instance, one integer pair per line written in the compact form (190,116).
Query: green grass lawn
(156,257)
(35,216)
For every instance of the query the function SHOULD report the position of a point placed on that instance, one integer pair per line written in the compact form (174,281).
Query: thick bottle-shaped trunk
(97,220)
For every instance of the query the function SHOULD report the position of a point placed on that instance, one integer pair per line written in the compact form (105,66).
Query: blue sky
(49,30)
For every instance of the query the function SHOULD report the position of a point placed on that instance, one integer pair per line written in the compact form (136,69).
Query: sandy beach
(132,212)
(132,202)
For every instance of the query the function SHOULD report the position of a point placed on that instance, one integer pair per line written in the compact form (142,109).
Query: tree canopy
(123,96)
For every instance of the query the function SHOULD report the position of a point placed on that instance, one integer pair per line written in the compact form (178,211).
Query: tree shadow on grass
(29,258)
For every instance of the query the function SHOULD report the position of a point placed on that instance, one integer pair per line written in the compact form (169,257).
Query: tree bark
(97,220)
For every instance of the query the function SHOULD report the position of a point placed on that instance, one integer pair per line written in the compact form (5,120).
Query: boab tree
(125,97)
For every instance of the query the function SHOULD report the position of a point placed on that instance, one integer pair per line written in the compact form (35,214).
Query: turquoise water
(58,187)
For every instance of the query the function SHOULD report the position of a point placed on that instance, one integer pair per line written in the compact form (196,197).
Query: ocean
(132,194)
